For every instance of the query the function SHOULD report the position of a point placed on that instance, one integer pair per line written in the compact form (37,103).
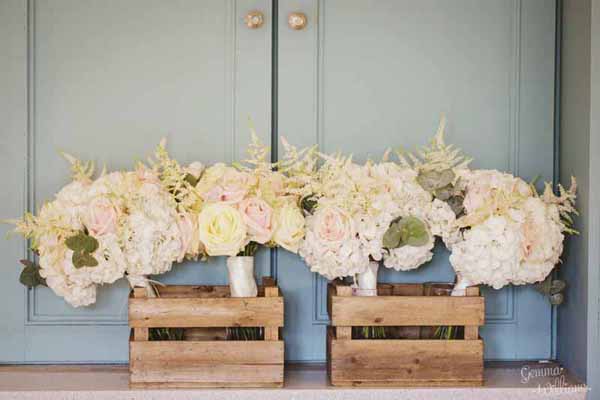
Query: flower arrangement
(246,205)
(360,214)
(342,217)
(96,231)
(501,231)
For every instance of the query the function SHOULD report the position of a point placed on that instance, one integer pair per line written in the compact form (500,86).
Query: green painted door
(105,80)
(364,75)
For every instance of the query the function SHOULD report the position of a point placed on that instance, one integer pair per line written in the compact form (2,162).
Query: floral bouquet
(247,205)
(358,215)
(122,224)
(500,230)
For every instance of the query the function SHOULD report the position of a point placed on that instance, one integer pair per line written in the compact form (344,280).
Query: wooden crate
(404,362)
(205,363)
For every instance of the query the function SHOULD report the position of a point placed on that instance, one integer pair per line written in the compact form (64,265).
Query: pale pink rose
(235,185)
(333,225)
(214,195)
(258,217)
(189,236)
(101,218)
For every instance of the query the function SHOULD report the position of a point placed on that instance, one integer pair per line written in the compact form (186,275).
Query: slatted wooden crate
(205,363)
(410,361)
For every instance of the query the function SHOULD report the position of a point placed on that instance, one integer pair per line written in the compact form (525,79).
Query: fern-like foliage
(437,156)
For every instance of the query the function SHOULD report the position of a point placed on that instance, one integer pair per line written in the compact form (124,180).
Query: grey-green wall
(578,327)
(574,160)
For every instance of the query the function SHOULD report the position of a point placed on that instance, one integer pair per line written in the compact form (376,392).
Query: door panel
(106,81)
(361,77)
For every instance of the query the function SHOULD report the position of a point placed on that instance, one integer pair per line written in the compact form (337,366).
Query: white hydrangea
(152,239)
(511,236)
(398,194)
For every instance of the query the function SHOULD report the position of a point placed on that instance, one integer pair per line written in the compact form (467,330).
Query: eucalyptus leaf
(82,243)
(30,276)
(414,232)
(392,237)
(82,259)
(407,231)
(75,243)
(456,204)
(90,244)
(434,180)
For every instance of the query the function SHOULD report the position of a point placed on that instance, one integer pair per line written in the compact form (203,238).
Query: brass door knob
(254,19)
(297,20)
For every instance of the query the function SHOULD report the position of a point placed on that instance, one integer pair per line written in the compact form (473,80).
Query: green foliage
(82,242)
(405,231)
(156,334)
(552,289)
(82,245)
(434,180)
(446,332)
(249,250)
(245,333)
(30,276)
(308,203)
(191,179)
(369,332)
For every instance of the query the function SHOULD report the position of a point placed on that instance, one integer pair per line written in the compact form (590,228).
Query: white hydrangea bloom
(512,235)
(152,239)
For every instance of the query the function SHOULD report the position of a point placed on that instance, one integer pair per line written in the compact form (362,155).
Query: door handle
(297,20)
(254,19)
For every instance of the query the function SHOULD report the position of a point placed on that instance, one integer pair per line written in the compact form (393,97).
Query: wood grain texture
(205,312)
(472,331)
(406,362)
(255,352)
(206,363)
(271,290)
(407,311)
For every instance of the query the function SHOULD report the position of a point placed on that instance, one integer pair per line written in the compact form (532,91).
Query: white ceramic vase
(366,282)
(241,276)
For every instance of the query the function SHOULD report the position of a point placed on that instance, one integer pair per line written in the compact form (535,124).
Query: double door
(105,80)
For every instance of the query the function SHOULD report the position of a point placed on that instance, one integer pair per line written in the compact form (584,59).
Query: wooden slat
(206,352)
(271,290)
(406,362)
(343,332)
(195,291)
(207,312)
(472,331)
(407,311)
(140,334)
(406,289)
(206,364)
(207,373)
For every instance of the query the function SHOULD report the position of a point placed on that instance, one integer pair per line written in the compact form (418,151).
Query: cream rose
(222,230)
(101,217)
(258,217)
(289,230)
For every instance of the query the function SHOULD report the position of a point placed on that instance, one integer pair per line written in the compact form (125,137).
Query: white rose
(222,230)
(289,230)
